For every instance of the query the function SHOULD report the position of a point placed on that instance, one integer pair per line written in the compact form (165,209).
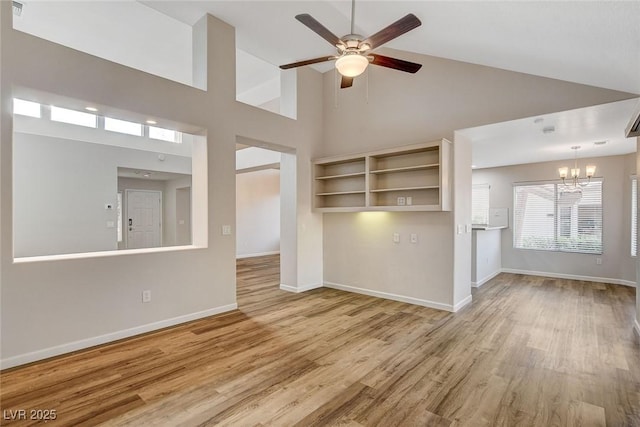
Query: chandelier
(573,183)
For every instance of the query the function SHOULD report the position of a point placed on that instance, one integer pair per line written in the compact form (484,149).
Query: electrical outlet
(414,238)
(599,261)
(409,201)
(401,201)
(146,296)
(396,237)
(460,228)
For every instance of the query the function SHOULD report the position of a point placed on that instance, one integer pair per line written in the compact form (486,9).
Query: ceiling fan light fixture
(352,65)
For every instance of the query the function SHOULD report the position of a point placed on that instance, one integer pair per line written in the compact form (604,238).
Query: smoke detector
(548,129)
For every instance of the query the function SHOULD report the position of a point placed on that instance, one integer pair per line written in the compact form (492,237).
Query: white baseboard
(636,326)
(300,289)
(486,279)
(462,303)
(401,298)
(22,359)
(257,254)
(571,276)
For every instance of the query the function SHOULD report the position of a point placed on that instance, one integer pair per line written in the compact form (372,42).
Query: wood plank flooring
(529,351)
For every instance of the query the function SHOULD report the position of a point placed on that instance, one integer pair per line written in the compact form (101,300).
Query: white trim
(101,254)
(486,279)
(300,289)
(462,303)
(636,326)
(21,359)
(571,276)
(394,297)
(257,254)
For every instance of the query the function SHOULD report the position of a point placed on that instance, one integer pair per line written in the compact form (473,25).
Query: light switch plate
(468,228)
(460,228)
(226,230)
(409,201)
(401,201)
(414,238)
(396,237)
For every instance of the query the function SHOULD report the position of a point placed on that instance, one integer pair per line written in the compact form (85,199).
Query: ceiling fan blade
(346,82)
(398,28)
(396,64)
(307,62)
(319,29)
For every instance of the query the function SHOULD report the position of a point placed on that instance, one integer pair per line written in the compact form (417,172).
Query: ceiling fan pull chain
(336,77)
(367,95)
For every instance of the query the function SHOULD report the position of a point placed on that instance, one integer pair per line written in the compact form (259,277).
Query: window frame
(634,216)
(557,225)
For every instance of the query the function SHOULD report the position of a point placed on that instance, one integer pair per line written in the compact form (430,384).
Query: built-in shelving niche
(416,175)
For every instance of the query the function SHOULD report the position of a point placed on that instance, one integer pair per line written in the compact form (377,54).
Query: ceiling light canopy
(352,64)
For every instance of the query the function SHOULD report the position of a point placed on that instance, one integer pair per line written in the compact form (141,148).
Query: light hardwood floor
(529,351)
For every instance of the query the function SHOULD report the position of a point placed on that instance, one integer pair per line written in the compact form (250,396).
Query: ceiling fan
(354,55)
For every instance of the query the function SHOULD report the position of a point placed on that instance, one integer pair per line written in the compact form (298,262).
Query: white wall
(169,204)
(127,32)
(486,256)
(397,109)
(62,187)
(617,263)
(171,209)
(258,213)
(50,307)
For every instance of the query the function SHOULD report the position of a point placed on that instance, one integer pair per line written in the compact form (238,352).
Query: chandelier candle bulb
(564,172)
(575,173)
(591,170)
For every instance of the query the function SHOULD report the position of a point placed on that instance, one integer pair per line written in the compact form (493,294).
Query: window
(73,117)
(122,126)
(165,134)
(547,218)
(634,216)
(26,108)
(480,203)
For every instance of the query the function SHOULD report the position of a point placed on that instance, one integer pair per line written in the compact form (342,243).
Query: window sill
(63,257)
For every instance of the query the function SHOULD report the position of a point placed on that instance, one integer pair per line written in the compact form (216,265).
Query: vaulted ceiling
(595,43)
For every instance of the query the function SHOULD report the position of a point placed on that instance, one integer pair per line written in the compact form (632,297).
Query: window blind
(480,203)
(634,216)
(548,218)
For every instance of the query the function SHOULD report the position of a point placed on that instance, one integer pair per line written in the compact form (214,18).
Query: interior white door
(144,219)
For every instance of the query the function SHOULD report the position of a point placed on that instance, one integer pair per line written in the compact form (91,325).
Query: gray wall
(617,262)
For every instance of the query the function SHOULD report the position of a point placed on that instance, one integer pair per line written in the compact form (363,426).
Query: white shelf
(339,193)
(406,168)
(376,181)
(385,190)
(344,175)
